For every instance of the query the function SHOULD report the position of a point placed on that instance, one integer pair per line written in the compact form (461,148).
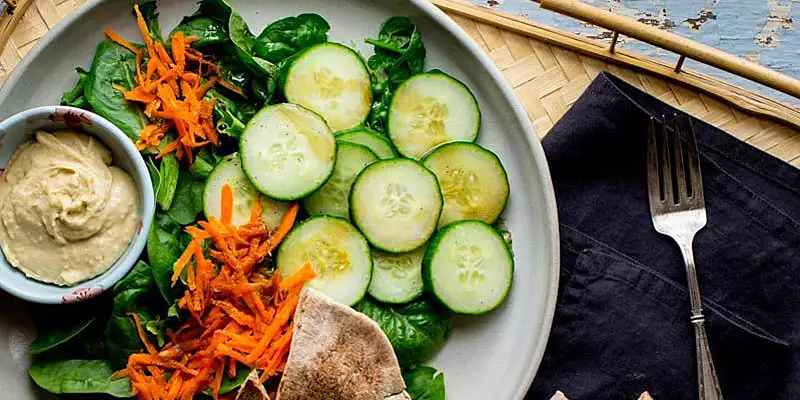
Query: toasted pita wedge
(338,354)
(252,389)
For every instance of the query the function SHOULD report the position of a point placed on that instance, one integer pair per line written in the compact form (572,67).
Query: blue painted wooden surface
(763,31)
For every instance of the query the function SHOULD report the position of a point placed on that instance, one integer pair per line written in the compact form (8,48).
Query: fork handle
(708,384)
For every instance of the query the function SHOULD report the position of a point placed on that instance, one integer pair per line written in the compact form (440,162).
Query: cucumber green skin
(437,72)
(282,247)
(483,150)
(353,210)
(287,70)
(433,248)
(266,192)
(369,131)
(338,145)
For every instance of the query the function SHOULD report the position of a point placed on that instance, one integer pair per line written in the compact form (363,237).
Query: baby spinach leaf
(230,116)
(424,383)
(131,295)
(231,70)
(158,328)
(76,96)
(188,199)
(284,38)
(79,377)
(149,10)
(208,32)
(416,330)
(204,163)
(114,64)
(163,249)
(50,339)
(168,182)
(230,384)
(399,54)
(244,40)
(155,175)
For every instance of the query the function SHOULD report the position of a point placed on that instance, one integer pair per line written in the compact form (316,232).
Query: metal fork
(679,211)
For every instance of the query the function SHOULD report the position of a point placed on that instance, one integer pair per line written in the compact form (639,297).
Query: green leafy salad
(279,161)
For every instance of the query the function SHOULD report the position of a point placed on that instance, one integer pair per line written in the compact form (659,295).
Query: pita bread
(338,354)
(252,389)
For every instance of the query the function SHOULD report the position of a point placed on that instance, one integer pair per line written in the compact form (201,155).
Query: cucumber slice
(287,151)
(338,253)
(332,198)
(229,170)
(397,278)
(333,81)
(396,204)
(430,109)
(376,142)
(468,267)
(474,182)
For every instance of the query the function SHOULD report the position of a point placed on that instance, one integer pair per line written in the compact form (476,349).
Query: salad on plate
(305,192)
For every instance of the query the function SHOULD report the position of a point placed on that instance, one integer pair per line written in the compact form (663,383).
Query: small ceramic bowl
(19,129)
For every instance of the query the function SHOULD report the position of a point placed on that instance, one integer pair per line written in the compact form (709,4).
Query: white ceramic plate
(491,357)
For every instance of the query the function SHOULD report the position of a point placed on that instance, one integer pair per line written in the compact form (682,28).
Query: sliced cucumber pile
(473,181)
(337,251)
(430,109)
(332,198)
(333,81)
(229,171)
(396,278)
(376,142)
(287,151)
(396,204)
(468,267)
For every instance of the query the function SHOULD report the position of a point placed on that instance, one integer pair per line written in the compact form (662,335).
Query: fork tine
(694,166)
(666,160)
(653,187)
(683,195)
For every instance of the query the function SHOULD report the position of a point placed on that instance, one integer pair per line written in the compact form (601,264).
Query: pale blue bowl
(19,129)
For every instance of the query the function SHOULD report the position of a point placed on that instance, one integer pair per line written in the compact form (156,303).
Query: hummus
(66,215)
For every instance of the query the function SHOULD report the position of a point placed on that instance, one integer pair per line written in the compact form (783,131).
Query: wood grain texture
(549,69)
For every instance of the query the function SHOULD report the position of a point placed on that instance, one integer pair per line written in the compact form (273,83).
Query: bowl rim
(95,286)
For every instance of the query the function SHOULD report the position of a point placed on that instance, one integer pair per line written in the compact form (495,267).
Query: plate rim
(517,109)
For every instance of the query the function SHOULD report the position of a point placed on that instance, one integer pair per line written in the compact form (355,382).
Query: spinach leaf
(208,32)
(231,70)
(131,295)
(399,54)
(168,182)
(284,38)
(424,383)
(204,163)
(114,64)
(149,10)
(163,250)
(158,328)
(79,377)
(230,384)
(76,96)
(52,338)
(244,41)
(416,330)
(231,116)
(188,199)
(155,175)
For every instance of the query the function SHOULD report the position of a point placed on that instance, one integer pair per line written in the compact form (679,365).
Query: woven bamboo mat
(548,78)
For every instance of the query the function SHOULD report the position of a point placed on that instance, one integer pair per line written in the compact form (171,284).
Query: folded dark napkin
(622,320)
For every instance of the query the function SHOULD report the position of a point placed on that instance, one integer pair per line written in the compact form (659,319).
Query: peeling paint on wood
(761,31)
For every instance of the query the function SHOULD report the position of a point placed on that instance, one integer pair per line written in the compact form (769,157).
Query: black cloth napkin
(622,319)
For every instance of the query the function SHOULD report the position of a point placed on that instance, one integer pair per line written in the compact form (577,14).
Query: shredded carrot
(239,313)
(227,204)
(142,336)
(116,38)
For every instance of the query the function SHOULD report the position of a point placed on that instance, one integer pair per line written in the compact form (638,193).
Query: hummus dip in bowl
(104,200)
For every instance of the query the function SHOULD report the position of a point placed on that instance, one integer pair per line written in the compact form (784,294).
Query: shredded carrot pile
(171,87)
(239,315)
